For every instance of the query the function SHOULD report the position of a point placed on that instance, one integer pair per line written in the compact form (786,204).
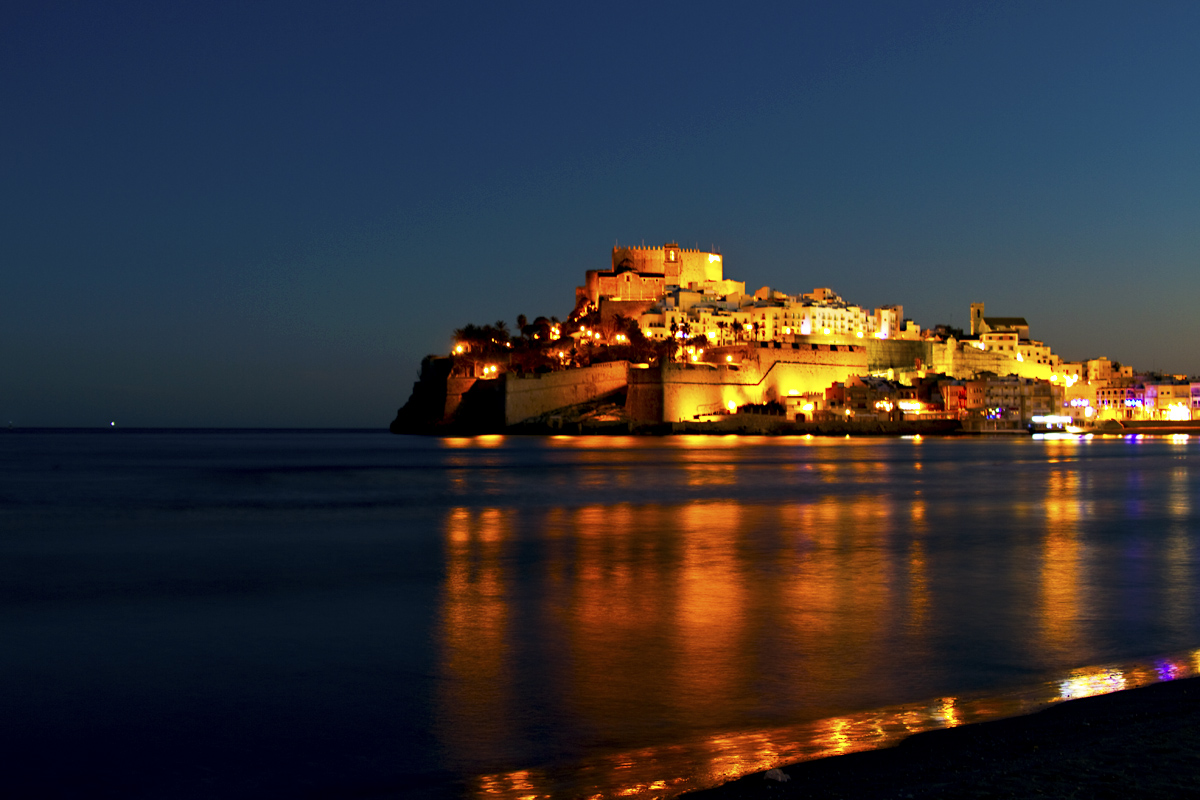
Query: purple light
(1169,670)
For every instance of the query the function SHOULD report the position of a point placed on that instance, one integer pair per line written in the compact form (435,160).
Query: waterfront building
(1167,400)
(1120,398)
(997,402)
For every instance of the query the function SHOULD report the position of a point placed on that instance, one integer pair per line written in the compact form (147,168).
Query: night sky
(265,214)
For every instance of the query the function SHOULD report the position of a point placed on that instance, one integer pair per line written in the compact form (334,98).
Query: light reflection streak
(1179,502)
(711,599)
(1089,683)
(475,694)
(945,712)
(918,582)
(716,759)
(1061,590)
(1178,561)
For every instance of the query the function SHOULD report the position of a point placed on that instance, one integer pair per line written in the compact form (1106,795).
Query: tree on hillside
(481,338)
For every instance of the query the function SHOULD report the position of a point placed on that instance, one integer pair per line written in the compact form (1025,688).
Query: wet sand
(1139,743)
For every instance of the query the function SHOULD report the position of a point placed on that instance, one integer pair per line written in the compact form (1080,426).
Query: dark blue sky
(267,213)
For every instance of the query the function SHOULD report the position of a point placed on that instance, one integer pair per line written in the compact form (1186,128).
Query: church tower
(976,319)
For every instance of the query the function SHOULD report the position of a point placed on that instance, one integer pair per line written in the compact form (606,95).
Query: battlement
(679,265)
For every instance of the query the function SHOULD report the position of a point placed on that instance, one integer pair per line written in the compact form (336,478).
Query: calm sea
(355,614)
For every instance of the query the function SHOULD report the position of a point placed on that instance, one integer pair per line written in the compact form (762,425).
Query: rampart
(770,372)
(962,360)
(527,397)
(956,359)
(898,354)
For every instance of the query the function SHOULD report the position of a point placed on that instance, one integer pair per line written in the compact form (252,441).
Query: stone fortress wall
(766,372)
(529,396)
(955,359)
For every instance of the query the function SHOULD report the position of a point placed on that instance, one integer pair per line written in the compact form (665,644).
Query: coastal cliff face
(443,404)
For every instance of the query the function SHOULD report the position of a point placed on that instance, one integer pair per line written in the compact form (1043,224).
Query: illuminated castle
(646,273)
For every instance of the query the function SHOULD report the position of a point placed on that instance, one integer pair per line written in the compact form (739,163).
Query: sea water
(350,613)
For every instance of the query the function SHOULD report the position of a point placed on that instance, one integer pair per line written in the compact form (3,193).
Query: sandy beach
(1142,743)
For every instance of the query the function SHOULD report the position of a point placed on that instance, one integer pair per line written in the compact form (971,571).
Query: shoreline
(1140,742)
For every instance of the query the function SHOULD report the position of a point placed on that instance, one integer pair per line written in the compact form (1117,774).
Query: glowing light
(859,334)
(946,713)
(459,348)
(1091,684)
(793,392)
(909,405)
(1019,357)
(1178,412)
(825,331)
(729,359)
(732,406)
(787,331)
(806,407)
(1169,670)
(713,257)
